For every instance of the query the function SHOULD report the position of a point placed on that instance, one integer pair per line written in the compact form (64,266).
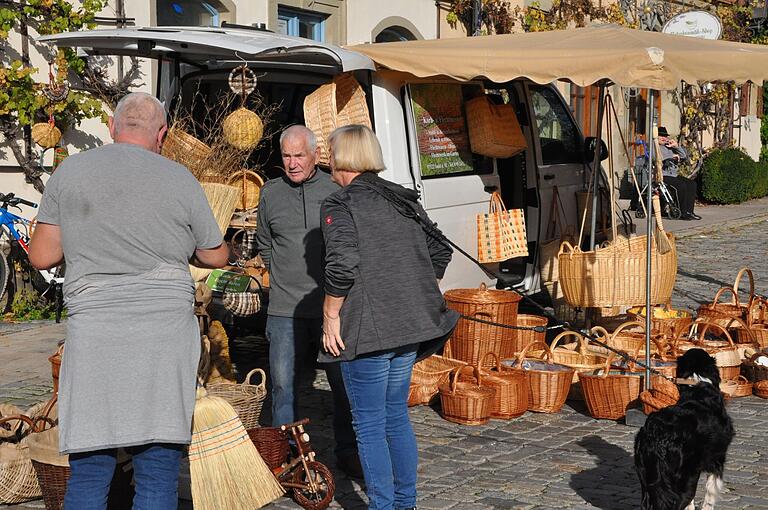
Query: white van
(195,60)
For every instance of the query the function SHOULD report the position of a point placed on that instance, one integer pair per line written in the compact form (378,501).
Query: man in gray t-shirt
(127,220)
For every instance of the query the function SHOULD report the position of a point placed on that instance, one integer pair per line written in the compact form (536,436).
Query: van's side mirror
(589,149)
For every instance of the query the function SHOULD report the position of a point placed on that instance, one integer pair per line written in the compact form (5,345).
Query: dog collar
(692,381)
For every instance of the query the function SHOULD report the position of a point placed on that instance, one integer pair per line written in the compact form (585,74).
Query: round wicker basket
(251,183)
(242,129)
(46,134)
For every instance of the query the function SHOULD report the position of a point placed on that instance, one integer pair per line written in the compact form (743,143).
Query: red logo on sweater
(328,220)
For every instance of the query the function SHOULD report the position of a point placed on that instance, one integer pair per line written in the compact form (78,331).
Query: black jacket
(386,266)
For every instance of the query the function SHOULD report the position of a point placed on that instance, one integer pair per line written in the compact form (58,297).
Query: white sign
(699,24)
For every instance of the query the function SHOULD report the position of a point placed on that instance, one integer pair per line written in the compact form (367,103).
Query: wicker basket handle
(495,357)
(741,380)
(607,367)
(564,334)
(621,327)
(496,204)
(707,325)
(723,290)
(599,331)
(737,281)
(566,245)
(457,372)
(547,352)
(259,371)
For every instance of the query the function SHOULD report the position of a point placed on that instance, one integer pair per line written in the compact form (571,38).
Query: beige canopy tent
(597,54)
(584,56)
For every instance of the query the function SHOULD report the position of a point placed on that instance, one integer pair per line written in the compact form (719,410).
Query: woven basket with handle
(723,314)
(739,387)
(427,375)
(512,344)
(608,393)
(664,320)
(468,403)
(511,398)
(493,129)
(246,398)
(548,382)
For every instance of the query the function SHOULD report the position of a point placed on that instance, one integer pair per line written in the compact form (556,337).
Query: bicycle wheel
(7,286)
(322,477)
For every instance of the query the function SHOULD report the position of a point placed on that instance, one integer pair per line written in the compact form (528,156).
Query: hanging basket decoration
(242,81)
(46,134)
(243,129)
(56,92)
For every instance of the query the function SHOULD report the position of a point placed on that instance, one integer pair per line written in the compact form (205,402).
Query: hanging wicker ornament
(242,128)
(56,92)
(46,134)
(242,81)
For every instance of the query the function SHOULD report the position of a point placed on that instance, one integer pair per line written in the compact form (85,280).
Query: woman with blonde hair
(382,301)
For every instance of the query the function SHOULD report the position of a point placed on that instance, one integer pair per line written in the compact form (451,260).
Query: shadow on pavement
(613,484)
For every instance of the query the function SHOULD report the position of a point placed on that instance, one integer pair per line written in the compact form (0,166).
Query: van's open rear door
(213,48)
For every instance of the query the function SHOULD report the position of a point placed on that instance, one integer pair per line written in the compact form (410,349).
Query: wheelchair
(670,205)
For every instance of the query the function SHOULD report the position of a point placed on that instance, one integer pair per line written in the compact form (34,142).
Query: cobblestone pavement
(566,460)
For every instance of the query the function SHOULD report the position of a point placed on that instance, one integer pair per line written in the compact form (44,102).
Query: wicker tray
(428,374)
(251,183)
(246,398)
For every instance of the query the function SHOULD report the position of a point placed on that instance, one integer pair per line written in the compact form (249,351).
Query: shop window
(558,136)
(194,13)
(293,22)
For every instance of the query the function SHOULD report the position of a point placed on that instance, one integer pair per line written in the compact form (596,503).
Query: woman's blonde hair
(356,149)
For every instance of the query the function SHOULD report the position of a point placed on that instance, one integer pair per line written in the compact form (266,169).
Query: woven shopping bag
(500,233)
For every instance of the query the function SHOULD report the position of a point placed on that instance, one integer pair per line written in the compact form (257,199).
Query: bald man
(127,221)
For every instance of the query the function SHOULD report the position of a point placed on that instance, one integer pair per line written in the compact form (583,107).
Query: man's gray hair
(300,131)
(139,111)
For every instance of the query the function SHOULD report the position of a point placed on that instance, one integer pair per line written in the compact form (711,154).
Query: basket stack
(471,340)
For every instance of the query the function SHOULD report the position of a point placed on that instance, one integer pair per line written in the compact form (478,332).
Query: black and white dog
(678,443)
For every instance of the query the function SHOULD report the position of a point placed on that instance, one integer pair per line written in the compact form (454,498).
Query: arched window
(195,13)
(395,34)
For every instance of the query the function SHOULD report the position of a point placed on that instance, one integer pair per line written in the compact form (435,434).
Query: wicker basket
(615,275)
(512,344)
(660,324)
(726,315)
(185,149)
(471,340)
(251,183)
(467,403)
(754,371)
(761,389)
(663,393)
(246,398)
(242,129)
(739,387)
(493,129)
(725,352)
(746,306)
(427,375)
(53,483)
(577,355)
(608,393)
(511,386)
(339,103)
(756,329)
(548,382)
(272,444)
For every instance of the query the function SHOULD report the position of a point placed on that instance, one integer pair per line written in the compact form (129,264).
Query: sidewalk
(566,460)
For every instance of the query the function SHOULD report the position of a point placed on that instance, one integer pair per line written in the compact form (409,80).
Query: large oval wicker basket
(615,275)
(472,340)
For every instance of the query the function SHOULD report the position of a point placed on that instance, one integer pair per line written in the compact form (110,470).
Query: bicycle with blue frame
(668,194)
(15,268)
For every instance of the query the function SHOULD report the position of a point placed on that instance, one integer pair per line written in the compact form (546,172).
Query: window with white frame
(195,13)
(298,23)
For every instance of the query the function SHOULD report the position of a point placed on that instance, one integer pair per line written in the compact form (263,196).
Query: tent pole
(649,238)
(596,164)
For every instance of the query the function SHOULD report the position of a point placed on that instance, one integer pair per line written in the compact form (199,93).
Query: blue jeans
(377,386)
(155,470)
(293,345)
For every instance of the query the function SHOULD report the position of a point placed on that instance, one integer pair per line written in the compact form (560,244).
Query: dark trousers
(686,192)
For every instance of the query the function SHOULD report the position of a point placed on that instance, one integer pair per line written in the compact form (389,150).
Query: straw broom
(223,200)
(662,241)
